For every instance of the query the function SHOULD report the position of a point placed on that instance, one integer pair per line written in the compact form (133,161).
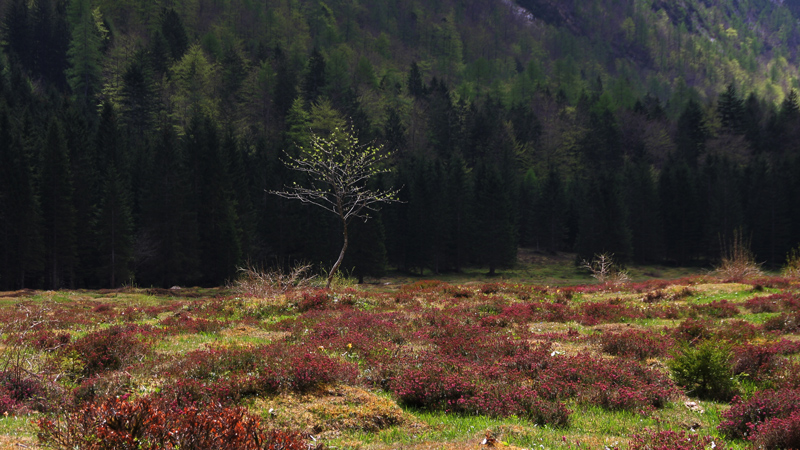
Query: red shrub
(720,309)
(762,304)
(692,330)
(184,323)
(673,440)
(757,361)
(609,383)
(111,348)
(17,390)
(737,331)
(778,433)
(610,311)
(634,343)
(764,405)
(314,300)
(48,341)
(149,424)
(785,323)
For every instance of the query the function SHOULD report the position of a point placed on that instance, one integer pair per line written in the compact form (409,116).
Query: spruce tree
(174,34)
(21,244)
(57,209)
(495,238)
(315,81)
(85,55)
(642,202)
(691,134)
(114,238)
(731,111)
(218,223)
(167,242)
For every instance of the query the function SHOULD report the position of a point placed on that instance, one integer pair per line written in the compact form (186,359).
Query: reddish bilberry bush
(184,323)
(739,421)
(719,309)
(777,433)
(673,440)
(633,343)
(150,424)
(111,348)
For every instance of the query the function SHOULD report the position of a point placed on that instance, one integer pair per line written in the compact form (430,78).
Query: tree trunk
(341,256)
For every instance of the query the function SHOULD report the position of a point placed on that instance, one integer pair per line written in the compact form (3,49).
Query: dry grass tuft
(271,283)
(335,410)
(737,262)
(792,267)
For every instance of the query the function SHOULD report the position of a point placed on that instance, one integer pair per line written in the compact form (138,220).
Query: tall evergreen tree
(602,221)
(550,214)
(21,244)
(50,41)
(174,34)
(315,80)
(57,209)
(17,31)
(495,238)
(691,134)
(681,211)
(642,202)
(731,111)
(167,242)
(85,55)
(218,223)
(114,237)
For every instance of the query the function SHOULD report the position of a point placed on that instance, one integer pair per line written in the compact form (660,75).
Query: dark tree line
(164,183)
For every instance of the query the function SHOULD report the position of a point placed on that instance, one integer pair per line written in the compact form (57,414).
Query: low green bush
(705,370)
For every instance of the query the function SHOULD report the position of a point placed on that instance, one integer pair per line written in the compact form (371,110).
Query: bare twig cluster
(792,267)
(737,261)
(270,283)
(604,270)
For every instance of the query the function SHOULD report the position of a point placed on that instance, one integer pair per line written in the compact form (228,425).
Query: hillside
(140,139)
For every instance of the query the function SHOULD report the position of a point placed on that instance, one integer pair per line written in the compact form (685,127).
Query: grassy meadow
(542,357)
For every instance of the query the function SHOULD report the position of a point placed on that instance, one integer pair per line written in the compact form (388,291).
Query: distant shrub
(111,348)
(640,344)
(784,323)
(737,261)
(608,312)
(673,440)
(693,330)
(705,370)
(762,304)
(792,267)
(720,309)
(184,323)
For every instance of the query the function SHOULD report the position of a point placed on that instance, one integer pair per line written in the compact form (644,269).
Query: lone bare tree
(338,168)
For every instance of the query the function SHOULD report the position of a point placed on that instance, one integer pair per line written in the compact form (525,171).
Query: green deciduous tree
(338,168)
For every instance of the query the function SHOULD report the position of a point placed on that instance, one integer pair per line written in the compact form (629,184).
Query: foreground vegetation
(696,362)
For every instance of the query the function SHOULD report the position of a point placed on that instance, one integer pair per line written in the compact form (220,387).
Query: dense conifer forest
(139,139)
